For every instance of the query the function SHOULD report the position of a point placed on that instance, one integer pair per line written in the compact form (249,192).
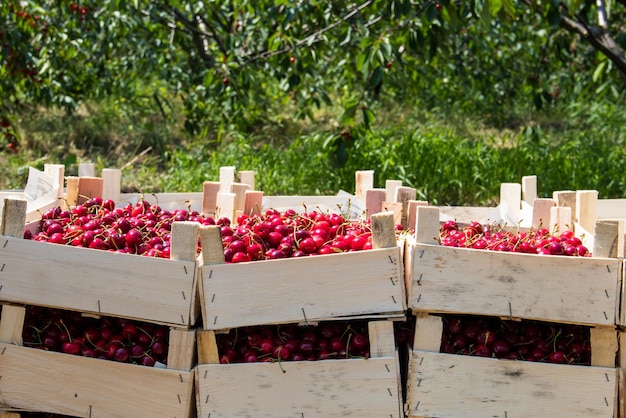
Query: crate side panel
(445,279)
(303,289)
(78,386)
(448,385)
(322,389)
(87,280)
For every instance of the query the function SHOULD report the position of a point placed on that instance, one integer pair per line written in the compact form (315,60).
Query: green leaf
(597,73)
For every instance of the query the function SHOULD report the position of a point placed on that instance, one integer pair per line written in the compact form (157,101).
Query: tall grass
(450,161)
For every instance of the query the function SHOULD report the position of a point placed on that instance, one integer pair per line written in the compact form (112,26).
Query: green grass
(453,160)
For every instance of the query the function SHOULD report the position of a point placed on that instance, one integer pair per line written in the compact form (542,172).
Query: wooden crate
(44,381)
(101,282)
(585,290)
(567,290)
(325,388)
(451,385)
(305,289)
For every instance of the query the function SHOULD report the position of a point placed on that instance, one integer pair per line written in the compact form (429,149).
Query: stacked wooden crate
(96,283)
(582,291)
(366,285)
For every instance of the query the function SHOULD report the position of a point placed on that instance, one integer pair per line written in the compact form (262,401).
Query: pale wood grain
(247,177)
(455,386)
(89,187)
(609,239)
(529,189)
(209,197)
(364,181)
(383,230)
(253,202)
(461,280)
(313,389)
(303,289)
(86,387)
(13,218)
(374,199)
(87,280)
(541,212)
(12,324)
(112,178)
(181,353)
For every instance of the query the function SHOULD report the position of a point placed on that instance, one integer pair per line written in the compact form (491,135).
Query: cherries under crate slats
(323,388)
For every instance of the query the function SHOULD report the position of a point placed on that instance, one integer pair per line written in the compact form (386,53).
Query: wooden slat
(511,198)
(587,209)
(446,279)
(181,354)
(13,218)
(253,202)
(12,324)
(541,212)
(391,186)
(374,199)
(609,239)
(561,219)
(383,230)
(452,386)
(57,173)
(184,241)
(364,181)
(247,177)
(412,212)
(226,205)
(226,178)
(209,197)
(403,196)
(427,225)
(89,187)
(428,332)
(310,389)
(604,346)
(381,336)
(91,387)
(112,183)
(529,189)
(207,347)
(71,192)
(86,280)
(303,289)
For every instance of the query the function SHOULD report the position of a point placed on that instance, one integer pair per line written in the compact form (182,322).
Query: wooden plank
(91,387)
(529,189)
(383,230)
(587,209)
(209,197)
(364,181)
(207,347)
(184,241)
(427,225)
(403,196)
(13,218)
(239,189)
(112,183)
(57,173)
(12,324)
(226,205)
(452,386)
(412,212)
(391,187)
(89,187)
(311,389)
(604,346)
(541,212)
(381,336)
(247,177)
(226,178)
(609,239)
(107,283)
(462,280)
(303,289)
(374,199)
(253,202)
(71,192)
(428,332)
(561,219)
(181,354)
(511,200)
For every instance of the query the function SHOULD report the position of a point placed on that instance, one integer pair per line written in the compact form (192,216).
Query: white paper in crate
(505,215)
(40,193)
